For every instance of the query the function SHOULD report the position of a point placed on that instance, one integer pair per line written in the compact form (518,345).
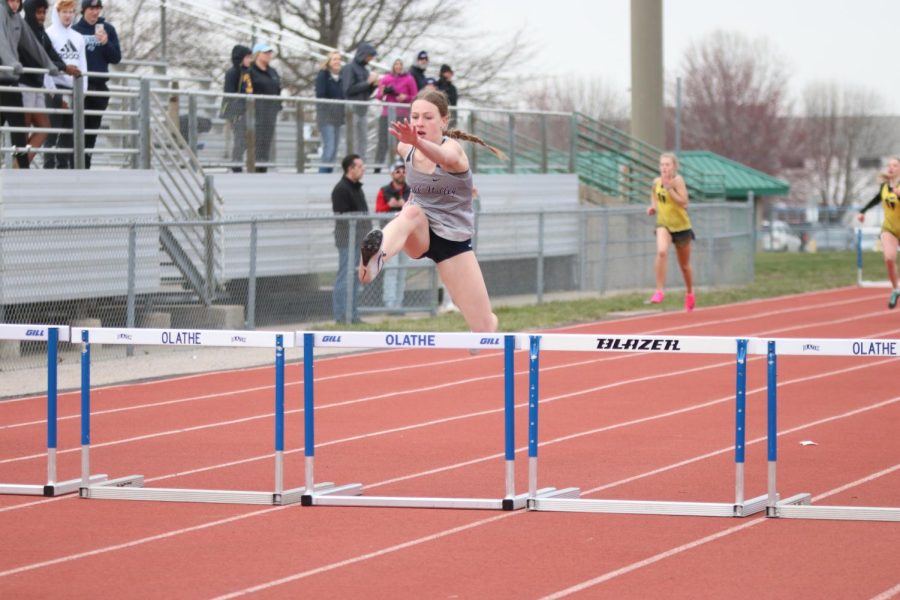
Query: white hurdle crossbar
(350,494)
(52,334)
(799,506)
(654,344)
(131,487)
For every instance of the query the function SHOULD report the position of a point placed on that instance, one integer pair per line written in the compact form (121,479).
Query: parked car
(777,236)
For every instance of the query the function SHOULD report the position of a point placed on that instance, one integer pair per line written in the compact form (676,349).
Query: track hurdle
(52,334)
(350,494)
(860,281)
(131,487)
(799,506)
(651,344)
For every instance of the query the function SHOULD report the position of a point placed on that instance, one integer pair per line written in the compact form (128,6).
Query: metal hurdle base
(650,507)
(131,488)
(350,495)
(800,507)
(49,490)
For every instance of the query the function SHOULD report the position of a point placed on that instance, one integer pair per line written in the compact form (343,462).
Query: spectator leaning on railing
(69,44)
(15,39)
(35,17)
(102,44)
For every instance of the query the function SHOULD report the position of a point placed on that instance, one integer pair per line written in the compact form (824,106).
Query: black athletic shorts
(680,238)
(440,249)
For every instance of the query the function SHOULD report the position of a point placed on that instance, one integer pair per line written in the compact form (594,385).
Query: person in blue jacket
(102,44)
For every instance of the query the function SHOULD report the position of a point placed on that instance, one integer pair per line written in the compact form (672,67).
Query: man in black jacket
(234,110)
(266,82)
(359,84)
(348,197)
(445,84)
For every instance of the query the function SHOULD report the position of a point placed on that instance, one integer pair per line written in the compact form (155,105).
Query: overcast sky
(851,42)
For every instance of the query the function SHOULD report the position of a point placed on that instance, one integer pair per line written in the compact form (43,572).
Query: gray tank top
(446,199)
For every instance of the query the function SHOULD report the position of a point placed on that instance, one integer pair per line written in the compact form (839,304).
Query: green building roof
(739,179)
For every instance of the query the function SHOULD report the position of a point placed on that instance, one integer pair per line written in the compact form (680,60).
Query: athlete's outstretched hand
(404,132)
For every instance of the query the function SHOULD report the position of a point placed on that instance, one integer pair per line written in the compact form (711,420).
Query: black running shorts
(440,249)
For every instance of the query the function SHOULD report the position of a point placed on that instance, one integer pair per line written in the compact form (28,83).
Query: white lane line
(701,541)
(392,394)
(568,591)
(888,594)
(418,541)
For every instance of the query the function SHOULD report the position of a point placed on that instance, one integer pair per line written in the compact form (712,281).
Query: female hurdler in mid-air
(438,220)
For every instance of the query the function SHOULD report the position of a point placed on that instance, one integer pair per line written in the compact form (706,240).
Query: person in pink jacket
(398,86)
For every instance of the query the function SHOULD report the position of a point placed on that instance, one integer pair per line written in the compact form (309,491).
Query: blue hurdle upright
(350,494)
(52,334)
(860,280)
(131,487)
(648,344)
(799,506)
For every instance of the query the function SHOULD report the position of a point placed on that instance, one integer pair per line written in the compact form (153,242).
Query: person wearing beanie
(418,69)
(234,110)
(102,45)
(445,84)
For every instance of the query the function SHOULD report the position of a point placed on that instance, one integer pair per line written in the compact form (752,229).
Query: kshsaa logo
(239,339)
(811,348)
(124,336)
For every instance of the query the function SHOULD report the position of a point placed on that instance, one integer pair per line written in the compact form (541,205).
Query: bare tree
(138,25)
(841,125)
(594,98)
(397,28)
(735,95)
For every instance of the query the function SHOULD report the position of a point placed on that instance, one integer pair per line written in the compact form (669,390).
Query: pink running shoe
(690,301)
(657,297)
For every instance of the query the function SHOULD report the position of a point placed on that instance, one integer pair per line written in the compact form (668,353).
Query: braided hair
(439,99)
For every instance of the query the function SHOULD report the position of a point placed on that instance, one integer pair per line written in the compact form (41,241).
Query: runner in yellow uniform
(669,201)
(890,227)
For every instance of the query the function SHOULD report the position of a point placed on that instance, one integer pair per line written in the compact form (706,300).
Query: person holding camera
(102,48)
(397,86)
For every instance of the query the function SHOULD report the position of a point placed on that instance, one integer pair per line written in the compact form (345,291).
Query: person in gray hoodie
(359,84)
(15,38)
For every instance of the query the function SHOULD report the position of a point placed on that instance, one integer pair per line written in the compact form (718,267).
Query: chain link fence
(280,272)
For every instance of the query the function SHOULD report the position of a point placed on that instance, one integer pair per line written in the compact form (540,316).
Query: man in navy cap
(102,48)
(418,69)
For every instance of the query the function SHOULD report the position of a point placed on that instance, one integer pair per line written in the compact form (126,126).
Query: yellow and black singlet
(669,214)
(887,196)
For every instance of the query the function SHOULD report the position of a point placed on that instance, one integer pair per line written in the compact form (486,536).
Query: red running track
(430,424)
